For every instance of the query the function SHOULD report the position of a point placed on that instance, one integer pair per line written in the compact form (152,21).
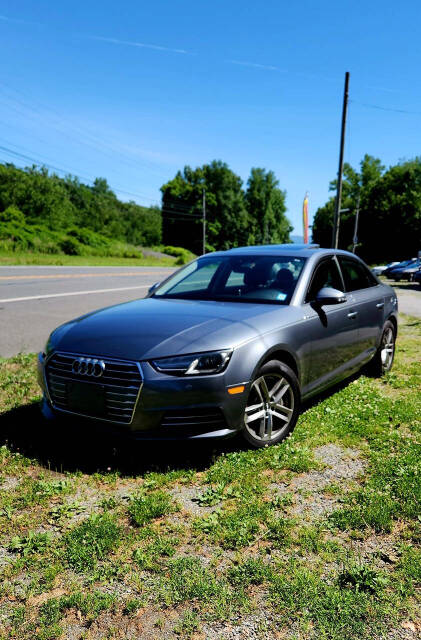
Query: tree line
(235,216)
(62,203)
(390,210)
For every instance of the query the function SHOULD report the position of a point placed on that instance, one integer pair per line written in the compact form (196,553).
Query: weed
(91,541)
(132,606)
(30,544)
(361,578)
(146,507)
(251,571)
(150,557)
(90,606)
(188,624)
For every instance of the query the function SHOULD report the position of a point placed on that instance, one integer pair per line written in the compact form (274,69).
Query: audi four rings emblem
(88,367)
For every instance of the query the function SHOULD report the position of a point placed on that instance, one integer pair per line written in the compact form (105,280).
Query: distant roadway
(34,300)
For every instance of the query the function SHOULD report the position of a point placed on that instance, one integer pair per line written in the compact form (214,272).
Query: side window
(356,276)
(326,274)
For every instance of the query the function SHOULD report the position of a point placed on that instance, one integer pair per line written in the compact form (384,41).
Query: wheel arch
(283,356)
(394,321)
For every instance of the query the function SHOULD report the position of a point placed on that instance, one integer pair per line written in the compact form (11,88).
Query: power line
(178,204)
(85,135)
(381,108)
(181,212)
(66,171)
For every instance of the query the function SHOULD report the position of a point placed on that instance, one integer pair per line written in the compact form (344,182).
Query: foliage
(146,507)
(17,236)
(183,255)
(91,541)
(233,218)
(58,204)
(390,210)
(266,206)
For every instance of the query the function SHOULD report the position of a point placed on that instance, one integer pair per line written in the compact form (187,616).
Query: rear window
(356,275)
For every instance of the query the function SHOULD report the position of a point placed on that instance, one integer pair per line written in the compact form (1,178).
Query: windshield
(261,279)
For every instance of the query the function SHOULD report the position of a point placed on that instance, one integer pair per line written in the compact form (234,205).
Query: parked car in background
(417,277)
(405,273)
(378,271)
(230,344)
(405,263)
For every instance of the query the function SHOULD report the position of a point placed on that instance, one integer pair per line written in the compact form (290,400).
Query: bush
(71,247)
(183,255)
(13,215)
(15,236)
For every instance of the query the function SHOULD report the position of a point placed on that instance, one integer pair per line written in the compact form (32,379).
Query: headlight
(193,365)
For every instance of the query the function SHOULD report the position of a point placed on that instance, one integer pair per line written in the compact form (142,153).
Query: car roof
(293,250)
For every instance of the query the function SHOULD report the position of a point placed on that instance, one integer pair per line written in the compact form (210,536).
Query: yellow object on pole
(305,219)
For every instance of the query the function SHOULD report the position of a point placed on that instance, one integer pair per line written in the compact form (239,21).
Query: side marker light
(234,390)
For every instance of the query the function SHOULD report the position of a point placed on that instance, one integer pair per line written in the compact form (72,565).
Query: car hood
(153,328)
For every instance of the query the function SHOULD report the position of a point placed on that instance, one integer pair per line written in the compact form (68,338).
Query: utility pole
(357,215)
(336,220)
(204,221)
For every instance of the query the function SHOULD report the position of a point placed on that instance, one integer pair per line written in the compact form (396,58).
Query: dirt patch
(188,499)
(343,467)
(147,624)
(9,483)
(6,557)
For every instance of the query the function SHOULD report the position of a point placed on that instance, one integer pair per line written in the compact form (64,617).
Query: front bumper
(167,407)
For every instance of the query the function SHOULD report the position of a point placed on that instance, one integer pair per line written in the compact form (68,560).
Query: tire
(382,361)
(273,405)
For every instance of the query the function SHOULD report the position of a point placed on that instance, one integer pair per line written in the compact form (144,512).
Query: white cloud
(255,65)
(141,45)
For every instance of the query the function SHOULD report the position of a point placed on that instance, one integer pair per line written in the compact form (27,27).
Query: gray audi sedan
(230,344)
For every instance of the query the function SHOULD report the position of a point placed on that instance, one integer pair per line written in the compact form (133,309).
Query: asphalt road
(35,300)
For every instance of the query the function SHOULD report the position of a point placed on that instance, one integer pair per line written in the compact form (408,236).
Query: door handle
(380,305)
(352,314)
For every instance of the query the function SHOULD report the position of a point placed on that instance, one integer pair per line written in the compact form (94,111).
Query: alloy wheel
(270,407)
(387,349)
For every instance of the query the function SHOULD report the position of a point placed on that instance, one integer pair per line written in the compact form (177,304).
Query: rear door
(333,329)
(368,300)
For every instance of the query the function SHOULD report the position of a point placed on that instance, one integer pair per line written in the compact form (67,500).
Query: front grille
(204,419)
(121,381)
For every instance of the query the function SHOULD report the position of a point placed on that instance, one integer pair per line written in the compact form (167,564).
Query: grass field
(314,538)
(18,258)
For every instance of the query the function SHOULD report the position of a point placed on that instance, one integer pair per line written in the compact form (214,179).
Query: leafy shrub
(17,236)
(183,255)
(12,215)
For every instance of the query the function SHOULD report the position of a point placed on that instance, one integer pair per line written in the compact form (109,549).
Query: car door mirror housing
(328,295)
(153,288)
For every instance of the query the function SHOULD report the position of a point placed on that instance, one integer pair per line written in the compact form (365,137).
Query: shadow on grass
(76,445)
(82,445)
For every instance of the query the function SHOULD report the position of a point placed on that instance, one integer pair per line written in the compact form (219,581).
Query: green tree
(355,184)
(266,207)
(227,220)
(390,227)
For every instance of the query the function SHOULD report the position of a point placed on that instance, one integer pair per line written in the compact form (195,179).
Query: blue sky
(133,91)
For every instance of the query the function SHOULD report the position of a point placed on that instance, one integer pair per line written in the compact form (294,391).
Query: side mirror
(328,295)
(153,287)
